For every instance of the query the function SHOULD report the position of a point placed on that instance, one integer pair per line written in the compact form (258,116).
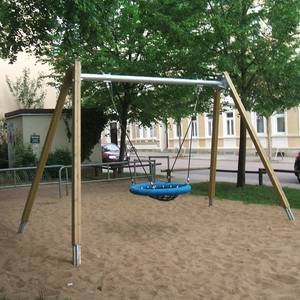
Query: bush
(60,157)
(3,156)
(24,156)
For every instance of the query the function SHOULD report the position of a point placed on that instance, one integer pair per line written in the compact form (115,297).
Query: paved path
(228,162)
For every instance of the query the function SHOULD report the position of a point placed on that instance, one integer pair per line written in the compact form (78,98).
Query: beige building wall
(293,124)
(39,124)
(292,121)
(285,142)
(7,100)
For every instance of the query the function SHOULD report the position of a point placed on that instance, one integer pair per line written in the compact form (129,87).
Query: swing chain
(110,89)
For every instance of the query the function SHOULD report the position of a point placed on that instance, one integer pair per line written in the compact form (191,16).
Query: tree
(282,94)
(117,37)
(256,42)
(160,38)
(109,36)
(27,26)
(29,92)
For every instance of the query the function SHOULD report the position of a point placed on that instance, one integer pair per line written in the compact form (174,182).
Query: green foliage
(60,157)
(249,193)
(3,129)
(93,121)
(27,26)
(250,39)
(28,92)
(255,41)
(109,36)
(3,155)
(24,156)
(3,144)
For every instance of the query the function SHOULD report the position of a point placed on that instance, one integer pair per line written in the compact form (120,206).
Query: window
(142,132)
(209,122)
(260,125)
(132,133)
(194,127)
(279,126)
(280,122)
(151,132)
(146,132)
(178,129)
(229,123)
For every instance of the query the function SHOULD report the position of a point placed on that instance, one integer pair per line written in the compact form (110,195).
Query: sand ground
(139,248)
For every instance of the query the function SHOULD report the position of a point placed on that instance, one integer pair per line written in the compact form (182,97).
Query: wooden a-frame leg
(214,147)
(273,177)
(45,151)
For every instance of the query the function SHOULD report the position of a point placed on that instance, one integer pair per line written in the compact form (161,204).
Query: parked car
(111,153)
(297,166)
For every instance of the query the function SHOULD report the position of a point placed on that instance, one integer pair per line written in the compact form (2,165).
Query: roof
(19,112)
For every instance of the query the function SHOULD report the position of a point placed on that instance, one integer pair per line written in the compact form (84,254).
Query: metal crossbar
(154,80)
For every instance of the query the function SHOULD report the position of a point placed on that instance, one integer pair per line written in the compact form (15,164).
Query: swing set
(159,190)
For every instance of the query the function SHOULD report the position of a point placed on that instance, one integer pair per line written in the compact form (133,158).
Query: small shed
(30,126)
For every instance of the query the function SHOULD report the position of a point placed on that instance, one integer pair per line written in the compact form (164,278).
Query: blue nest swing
(163,191)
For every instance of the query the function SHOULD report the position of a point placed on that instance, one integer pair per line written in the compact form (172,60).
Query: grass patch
(249,193)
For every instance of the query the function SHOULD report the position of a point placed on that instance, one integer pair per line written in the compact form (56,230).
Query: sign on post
(35,139)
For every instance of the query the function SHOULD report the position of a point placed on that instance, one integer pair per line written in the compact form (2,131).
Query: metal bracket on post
(153,169)
(22,227)
(260,176)
(290,214)
(76,255)
(223,83)
(169,175)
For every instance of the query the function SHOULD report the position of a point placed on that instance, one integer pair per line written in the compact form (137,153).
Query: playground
(139,248)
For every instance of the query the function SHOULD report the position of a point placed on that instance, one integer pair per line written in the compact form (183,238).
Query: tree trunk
(269,138)
(178,125)
(167,135)
(242,155)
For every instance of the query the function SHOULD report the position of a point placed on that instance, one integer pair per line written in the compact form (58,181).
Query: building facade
(284,133)
(284,127)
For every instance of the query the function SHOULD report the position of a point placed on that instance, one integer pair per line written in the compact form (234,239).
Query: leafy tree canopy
(109,36)
(123,37)
(255,41)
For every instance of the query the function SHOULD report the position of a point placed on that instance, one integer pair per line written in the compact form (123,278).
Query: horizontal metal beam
(154,80)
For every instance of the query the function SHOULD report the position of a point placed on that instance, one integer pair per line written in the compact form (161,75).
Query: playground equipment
(74,75)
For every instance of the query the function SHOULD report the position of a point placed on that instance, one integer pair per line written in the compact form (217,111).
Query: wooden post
(76,170)
(45,151)
(214,147)
(273,177)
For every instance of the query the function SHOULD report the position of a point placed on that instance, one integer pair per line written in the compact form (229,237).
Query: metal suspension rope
(191,138)
(190,154)
(190,147)
(180,147)
(110,89)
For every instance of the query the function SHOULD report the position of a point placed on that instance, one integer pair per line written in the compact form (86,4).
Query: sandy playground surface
(139,248)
